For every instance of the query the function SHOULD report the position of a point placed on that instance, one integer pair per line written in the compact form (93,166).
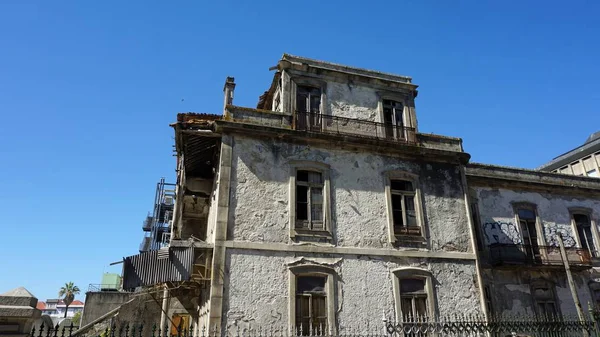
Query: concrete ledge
(280,247)
(482,175)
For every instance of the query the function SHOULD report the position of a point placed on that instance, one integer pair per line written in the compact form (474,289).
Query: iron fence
(102,287)
(456,326)
(317,122)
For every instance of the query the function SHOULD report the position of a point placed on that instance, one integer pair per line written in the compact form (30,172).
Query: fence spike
(56,330)
(41,330)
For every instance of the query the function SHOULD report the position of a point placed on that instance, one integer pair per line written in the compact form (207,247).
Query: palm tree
(68,293)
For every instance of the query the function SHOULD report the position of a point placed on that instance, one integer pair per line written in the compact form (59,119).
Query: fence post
(594,321)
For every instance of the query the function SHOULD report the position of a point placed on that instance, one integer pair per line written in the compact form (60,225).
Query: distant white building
(56,308)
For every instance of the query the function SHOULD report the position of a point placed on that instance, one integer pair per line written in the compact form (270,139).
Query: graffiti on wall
(501,232)
(552,230)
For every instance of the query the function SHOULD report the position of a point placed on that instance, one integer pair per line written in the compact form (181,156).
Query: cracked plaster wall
(511,291)
(260,192)
(498,218)
(352,101)
(256,288)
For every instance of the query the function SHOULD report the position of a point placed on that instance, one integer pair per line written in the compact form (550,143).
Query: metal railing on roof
(317,122)
(321,123)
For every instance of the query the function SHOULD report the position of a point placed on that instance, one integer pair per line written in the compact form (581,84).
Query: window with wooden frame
(405,215)
(545,299)
(413,292)
(403,207)
(393,118)
(308,108)
(584,232)
(527,218)
(309,199)
(311,304)
(312,299)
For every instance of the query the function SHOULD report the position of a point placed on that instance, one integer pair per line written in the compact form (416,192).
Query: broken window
(393,119)
(311,304)
(308,108)
(403,208)
(309,200)
(413,298)
(584,232)
(527,220)
(544,298)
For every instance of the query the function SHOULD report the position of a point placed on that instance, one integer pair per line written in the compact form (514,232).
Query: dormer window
(393,114)
(308,108)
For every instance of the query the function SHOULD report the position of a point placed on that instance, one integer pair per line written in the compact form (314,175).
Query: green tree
(76,319)
(68,292)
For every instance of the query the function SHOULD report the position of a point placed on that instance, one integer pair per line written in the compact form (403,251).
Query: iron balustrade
(516,254)
(458,325)
(317,122)
(101,287)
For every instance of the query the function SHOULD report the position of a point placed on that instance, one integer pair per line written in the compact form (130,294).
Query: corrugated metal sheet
(147,269)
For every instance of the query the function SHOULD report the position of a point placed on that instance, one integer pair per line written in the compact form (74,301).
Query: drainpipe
(165,307)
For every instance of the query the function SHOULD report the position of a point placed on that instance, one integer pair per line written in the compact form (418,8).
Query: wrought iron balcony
(533,255)
(322,123)
(316,122)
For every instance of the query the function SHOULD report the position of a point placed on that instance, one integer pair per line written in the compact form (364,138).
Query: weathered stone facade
(498,194)
(354,131)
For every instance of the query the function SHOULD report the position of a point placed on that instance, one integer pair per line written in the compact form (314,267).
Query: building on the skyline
(56,308)
(583,160)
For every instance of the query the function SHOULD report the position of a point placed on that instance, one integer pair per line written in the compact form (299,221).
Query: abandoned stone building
(325,206)
(519,217)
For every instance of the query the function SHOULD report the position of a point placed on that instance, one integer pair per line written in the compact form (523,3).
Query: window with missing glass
(413,297)
(404,216)
(393,115)
(309,200)
(311,304)
(584,232)
(308,108)
(543,295)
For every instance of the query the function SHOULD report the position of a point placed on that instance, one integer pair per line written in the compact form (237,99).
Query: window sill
(411,241)
(311,235)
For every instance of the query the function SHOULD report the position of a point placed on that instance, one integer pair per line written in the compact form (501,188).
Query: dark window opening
(393,119)
(309,200)
(308,108)
(311,305)
(584,231)
(527,220)
(413,298)
(404,216)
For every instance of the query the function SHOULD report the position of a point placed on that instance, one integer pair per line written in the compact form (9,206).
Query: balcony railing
(102,287)
(316,122)
(321,123)
(532,255)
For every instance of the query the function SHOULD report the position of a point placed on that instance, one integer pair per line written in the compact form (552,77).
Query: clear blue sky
(88,88)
